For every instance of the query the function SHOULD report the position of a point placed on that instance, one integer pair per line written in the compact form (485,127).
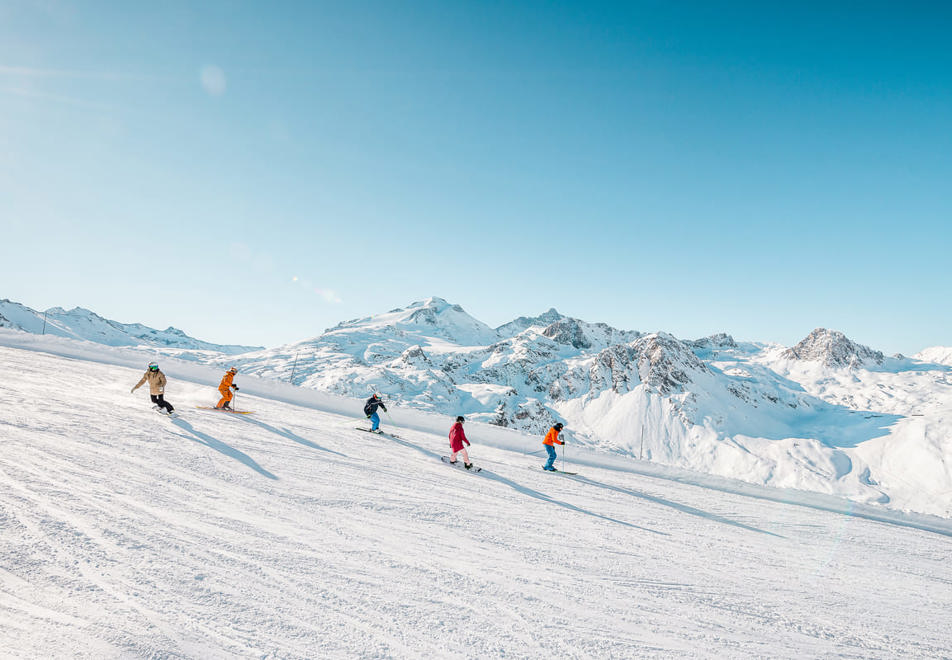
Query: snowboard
(386,433)
(459,464)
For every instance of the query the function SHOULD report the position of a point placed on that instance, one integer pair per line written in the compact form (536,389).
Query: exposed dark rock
(833,349)
(567,332)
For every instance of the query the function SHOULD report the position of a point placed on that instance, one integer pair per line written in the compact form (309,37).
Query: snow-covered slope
(936,354)
(289,534)
(828,414)
(79,323)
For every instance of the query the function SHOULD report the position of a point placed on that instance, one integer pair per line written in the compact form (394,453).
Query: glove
(468,445)
(236,387)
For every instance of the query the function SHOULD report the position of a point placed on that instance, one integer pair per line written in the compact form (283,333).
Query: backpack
(369,409)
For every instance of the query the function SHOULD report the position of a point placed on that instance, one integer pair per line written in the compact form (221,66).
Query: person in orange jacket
(552,439)
(226,387)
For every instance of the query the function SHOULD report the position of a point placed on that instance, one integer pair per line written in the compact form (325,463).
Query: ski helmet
(233,370)
(558,426)
(460,419)
(153,366)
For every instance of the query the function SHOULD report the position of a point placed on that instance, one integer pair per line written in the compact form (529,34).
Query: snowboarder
(156,388)
(226,387)
(457,438)
(370,409)
(552,439)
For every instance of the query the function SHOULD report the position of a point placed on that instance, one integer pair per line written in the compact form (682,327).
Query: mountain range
(827,415)
(79,323)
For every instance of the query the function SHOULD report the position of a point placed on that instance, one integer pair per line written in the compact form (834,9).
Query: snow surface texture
(81,323)
(827,415)
(289,534)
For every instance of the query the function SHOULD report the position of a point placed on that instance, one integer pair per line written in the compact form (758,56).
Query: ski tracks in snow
(292,535)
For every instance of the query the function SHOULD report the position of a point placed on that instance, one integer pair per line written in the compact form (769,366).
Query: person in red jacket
(552,439)
(457,438)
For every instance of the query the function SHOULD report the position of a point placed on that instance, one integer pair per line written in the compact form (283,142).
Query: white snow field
(290,534)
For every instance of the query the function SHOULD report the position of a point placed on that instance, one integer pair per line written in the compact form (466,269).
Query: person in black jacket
(370,409)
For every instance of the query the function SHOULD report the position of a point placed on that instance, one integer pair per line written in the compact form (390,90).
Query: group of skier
(457,436)
(157,381)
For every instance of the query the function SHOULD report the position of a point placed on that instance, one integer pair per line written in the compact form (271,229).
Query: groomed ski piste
(290,534)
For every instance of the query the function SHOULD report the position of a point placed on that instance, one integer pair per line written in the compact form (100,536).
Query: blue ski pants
(375,421)
(550,450)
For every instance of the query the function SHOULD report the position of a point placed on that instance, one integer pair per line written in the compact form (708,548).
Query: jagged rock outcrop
(568,332)
(719,341)
(523,323)
(414,356)
(666,364)
(833,349)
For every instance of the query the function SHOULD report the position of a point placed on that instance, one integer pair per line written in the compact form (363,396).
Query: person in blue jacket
(370,409)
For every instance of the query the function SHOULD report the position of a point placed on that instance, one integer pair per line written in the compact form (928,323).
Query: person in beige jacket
(156,388)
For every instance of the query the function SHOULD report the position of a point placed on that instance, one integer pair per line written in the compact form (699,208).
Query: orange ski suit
(552,437)
(225,389)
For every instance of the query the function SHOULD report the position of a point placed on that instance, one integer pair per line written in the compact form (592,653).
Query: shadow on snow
(528,491)
(674,505)
(221,447)
(285,433)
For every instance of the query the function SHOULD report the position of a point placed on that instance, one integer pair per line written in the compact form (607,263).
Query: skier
(552,439)
(370,409)
(457,438)
(226,387)
(156,388)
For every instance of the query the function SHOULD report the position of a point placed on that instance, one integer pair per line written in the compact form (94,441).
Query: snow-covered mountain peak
(568,331)
(430,318)
(523,323)
(833,349)
(719,341)
(936,354)
(665,363)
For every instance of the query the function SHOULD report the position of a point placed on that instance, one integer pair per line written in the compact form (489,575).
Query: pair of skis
(226,410)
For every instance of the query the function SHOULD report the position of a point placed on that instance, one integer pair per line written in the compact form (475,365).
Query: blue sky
(745,167)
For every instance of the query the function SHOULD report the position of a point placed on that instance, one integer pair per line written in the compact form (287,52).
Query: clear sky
(256,172)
